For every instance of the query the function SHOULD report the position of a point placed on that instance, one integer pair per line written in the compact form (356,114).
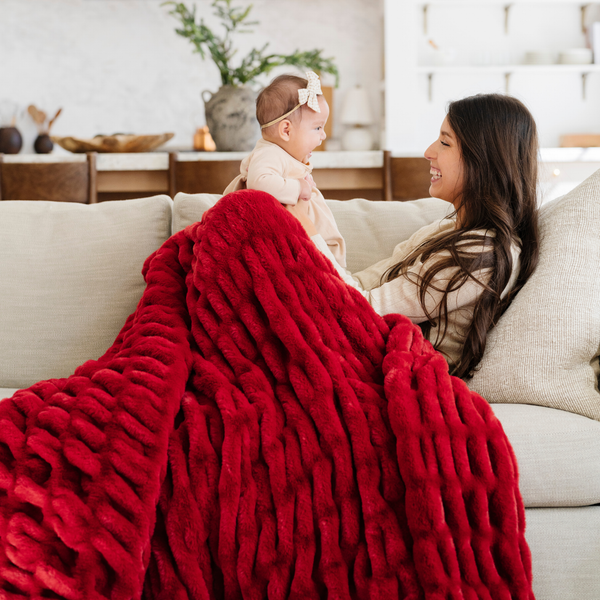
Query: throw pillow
(70,276)
(545,348)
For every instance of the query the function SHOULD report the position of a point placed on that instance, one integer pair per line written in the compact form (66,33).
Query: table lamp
(356,113)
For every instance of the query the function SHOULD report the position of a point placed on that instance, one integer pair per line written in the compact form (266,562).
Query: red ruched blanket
(257,431)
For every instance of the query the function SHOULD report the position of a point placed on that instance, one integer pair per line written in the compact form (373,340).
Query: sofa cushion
(7,392)
(371,229)
(189,208)
(558,454)
(545,348)
(71,275)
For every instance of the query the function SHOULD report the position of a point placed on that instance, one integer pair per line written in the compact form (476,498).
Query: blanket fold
(257,431)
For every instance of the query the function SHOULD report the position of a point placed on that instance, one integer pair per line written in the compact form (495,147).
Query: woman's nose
(430,153)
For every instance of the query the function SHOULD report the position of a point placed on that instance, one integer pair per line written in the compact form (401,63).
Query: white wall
(475,32)
(118,66)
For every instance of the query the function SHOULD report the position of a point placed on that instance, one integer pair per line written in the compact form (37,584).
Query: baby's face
(307,134)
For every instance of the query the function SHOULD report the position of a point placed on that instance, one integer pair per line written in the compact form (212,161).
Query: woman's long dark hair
(497,138)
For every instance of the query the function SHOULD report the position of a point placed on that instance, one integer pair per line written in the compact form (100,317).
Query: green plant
(235,20)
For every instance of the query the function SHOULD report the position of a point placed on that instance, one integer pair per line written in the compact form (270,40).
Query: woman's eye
(444,143)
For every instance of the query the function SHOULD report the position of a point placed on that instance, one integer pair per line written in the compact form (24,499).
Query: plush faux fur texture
(257,431)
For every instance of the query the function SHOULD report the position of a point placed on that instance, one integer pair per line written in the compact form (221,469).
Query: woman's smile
(435,174)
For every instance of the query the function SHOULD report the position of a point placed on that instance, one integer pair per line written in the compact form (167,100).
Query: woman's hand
(300,212)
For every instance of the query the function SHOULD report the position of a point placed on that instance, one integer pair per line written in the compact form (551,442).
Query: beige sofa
(70,275)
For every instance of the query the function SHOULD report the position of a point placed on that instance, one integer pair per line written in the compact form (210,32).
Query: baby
(292,113)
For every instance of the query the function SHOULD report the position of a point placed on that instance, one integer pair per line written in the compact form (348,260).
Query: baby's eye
(318,128)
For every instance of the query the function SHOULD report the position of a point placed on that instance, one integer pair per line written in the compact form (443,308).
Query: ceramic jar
(231,118)
(10,140)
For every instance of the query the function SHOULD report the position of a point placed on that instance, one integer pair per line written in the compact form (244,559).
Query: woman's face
(446,171)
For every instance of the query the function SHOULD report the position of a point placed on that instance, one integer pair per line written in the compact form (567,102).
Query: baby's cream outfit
(271,169)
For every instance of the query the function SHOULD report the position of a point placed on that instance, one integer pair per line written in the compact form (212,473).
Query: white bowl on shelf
(576,56)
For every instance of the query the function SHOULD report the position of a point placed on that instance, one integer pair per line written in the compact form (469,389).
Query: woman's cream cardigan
(401,295)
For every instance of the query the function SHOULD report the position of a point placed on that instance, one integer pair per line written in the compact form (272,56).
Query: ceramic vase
(10,140)
(231,118)
(43,144)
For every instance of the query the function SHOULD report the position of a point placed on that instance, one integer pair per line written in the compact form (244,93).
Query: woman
(457,276)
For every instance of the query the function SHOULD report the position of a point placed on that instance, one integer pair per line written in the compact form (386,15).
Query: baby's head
(296,129)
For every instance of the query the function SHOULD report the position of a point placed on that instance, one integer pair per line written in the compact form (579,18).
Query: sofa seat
(558,454)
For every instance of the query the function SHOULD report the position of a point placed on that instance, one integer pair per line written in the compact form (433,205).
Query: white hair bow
(309,94)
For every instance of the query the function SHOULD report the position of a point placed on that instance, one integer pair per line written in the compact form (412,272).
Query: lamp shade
(356,109)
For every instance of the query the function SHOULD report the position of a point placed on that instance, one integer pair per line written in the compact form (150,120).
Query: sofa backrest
(371,229)
(70,275)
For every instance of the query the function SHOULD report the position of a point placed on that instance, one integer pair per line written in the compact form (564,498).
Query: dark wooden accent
(172,174)
(199,176)
(410,178)
(57,181)
(93,178)
(387,175)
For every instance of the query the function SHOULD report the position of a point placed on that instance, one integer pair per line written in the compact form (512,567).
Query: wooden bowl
(113,143)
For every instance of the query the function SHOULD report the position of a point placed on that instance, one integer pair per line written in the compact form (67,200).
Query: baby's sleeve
(267,176)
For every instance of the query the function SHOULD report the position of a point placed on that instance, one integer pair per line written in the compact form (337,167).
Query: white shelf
(507,5)
(495,2)
(502,69)
(508,71)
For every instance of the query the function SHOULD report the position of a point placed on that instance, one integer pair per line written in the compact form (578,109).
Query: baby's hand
(305,189)
(310,180)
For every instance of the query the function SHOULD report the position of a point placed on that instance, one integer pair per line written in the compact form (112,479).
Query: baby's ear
(284,129)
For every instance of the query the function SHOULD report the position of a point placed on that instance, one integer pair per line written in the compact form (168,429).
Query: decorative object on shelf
(356,113)
(11,141)
(119,142)
(231,117)
(43,143)
(230,112)
(575,56)
(203,140)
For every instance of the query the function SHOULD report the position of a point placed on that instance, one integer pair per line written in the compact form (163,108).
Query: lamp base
(357,139)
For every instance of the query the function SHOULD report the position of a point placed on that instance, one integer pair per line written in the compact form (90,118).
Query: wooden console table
(340,175)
